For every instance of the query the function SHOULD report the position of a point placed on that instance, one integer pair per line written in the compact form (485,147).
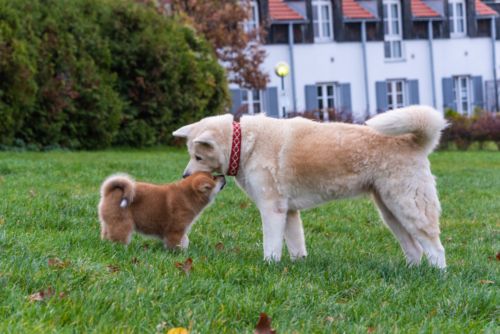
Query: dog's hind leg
(294,235)
(417,207)
(274,214)
(412,249)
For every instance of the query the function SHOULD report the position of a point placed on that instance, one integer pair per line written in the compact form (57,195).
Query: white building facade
(370,56)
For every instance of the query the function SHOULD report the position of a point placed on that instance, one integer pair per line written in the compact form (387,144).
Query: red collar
(234,159)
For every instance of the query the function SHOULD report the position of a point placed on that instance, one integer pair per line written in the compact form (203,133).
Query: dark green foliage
(88,73)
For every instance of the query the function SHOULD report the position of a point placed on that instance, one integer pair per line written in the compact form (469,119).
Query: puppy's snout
(223,181)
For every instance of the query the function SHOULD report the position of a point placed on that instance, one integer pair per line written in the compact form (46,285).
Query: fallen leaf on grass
(44,295)
(134,260)
(178,330)
(58,263)
(498,256)
(464,243)
(244,205)
(329,318)
(485,281)
(448,239)
(146,246)
(186,266)
(264,325)
(219,246)
(371,329)
(32,193)
(461,262)
(367,222)
(237,249)
(114,268)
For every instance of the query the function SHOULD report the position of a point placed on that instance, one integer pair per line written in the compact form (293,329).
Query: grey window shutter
(477,88)
(381,91)
(448,101)
(272,102)
(236,98)
(345,97)
(311,98)
(413,97)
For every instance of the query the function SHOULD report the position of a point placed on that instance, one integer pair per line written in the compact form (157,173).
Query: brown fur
(163,211)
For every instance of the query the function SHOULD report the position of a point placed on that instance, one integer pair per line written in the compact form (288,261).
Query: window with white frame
(322,20)
(253,22)
(458,27)
(396,94)
(327,96)
(255,99)
(462,94)
(393,48)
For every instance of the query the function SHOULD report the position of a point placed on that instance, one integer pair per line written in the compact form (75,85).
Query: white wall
(313,64)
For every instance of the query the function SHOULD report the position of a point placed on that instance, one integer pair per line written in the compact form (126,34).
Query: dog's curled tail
(425,123)
(123,182)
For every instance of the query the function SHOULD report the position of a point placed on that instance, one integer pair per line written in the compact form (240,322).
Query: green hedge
(91,73)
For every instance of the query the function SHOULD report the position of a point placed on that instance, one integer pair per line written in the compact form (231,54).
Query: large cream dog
(289,165)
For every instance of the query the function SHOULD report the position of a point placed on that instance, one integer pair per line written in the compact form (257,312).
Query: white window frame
(393,93)
(463,95)
(392,37)
(253,23)
(453,6)
(319,22)
(250,100)
(326,96)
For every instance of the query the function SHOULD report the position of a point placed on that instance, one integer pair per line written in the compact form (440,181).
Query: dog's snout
(223,181)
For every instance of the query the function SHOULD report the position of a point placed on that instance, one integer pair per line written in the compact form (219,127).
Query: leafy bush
(464,130)
(89,73)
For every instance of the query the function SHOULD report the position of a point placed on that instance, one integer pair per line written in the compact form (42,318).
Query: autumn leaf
(464,243)
(237,249)
(264,325)
(329,318)
(178,330)
(32,193)
(219,247)
(146,246)
(56,263)
(448,239)
(134,260)
(114,268)
(371,329)
(498,256)
(485,281)
(461,262)
(244,205)
(368,222)
(44,295)
(186,266)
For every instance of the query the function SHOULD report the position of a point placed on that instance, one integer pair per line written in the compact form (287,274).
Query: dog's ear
(184,131)
(206,138)
(205,186)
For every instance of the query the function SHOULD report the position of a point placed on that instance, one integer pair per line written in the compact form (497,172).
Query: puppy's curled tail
(123,182)
(425,123)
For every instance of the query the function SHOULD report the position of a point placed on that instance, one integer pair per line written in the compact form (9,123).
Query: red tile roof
(352,10)
(420,9)
(484,10)
(280,11)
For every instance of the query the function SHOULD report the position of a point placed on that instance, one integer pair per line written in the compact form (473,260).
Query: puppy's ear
(184,131)
(206,138)
(205,186)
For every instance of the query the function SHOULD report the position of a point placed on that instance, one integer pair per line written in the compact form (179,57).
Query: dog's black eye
(214,178)
(198,158)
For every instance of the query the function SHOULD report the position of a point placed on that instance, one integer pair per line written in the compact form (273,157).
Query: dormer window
(457,16)
(322,20)
(392,30)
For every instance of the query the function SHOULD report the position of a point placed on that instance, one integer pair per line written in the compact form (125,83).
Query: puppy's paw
(184,242)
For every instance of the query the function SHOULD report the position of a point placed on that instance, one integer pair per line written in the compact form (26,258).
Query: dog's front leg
(294,235)
(273,225)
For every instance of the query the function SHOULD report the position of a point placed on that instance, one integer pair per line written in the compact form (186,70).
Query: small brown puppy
(166,212)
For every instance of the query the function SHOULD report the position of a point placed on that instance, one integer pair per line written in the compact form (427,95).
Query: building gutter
(493,53)
(431,55)
(365,67)
(292,67)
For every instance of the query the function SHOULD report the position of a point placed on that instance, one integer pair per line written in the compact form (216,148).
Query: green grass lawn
(354,280)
